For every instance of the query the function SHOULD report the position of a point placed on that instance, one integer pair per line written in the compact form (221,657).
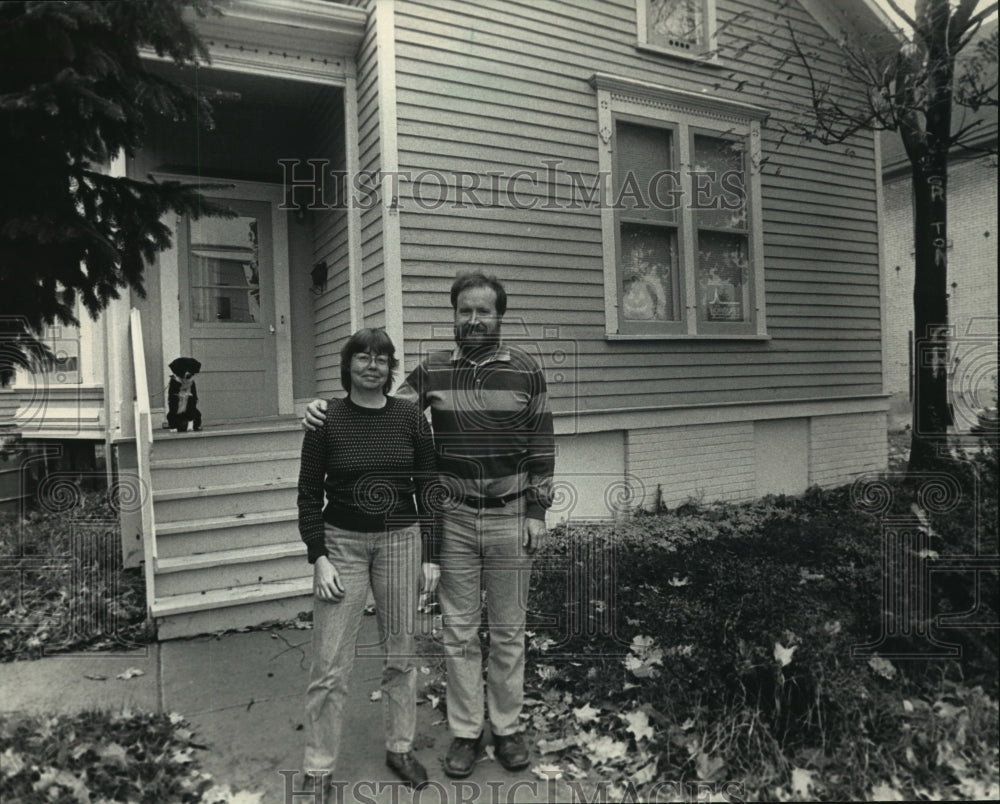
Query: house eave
(857,18)
(306,40)
(313,26)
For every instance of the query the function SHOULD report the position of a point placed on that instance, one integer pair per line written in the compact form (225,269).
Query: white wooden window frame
(705,51)
(686,113)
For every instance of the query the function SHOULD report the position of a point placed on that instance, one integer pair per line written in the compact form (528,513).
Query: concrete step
(175,505)
(219,442)
(193,471)
(193,536)
(230,569)
(221,609)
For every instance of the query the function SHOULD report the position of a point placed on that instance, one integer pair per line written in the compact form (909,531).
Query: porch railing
(143,447)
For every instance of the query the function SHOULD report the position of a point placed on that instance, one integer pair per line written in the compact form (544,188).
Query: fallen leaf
(605,748)
(182,757)
(883,792)
(644,775)
(907,706)
(375,696)
(708,767)
(80,749)
(802,783)
(546,772)
(883,667)
(132,672)
(12,763)
(677,581)
(246,797)
(945,709)
(434,700)
(586,714)
(176,718)
(553,746)
(638,724)
(51,777)
(783,655)
(113,754)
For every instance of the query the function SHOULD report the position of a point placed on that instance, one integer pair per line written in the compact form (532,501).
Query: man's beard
(475,338)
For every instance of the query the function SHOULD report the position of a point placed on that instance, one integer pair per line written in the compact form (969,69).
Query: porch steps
(228,549)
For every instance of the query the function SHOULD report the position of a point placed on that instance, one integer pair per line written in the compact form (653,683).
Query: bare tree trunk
(928,155)
(930,312)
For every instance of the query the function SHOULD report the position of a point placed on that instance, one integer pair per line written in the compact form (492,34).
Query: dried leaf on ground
(783,655)
(546,772)
(802,783)
(638,724)
(132,672)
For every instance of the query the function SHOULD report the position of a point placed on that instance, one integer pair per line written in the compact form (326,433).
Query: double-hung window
(683,28)
(681,220)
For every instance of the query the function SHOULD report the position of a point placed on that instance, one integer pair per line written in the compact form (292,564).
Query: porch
(220,541)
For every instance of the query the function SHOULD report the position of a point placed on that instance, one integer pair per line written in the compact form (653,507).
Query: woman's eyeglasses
(365,359)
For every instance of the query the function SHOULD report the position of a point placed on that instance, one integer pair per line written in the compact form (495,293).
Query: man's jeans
(482,549)
(391,562)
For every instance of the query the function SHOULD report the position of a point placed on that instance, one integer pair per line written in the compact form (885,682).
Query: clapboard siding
(501,88)
(370,162)
(331,309)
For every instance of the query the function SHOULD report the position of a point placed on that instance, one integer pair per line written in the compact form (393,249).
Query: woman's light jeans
(390,561)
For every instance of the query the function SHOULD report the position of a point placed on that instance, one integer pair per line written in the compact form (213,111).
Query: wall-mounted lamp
(318,276)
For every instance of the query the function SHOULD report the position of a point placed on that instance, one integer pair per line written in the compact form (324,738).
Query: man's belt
(493,502)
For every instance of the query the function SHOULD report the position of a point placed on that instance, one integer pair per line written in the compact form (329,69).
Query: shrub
(71,592)
(731,627)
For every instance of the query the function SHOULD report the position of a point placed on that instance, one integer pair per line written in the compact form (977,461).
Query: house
(704,299)
(972,267)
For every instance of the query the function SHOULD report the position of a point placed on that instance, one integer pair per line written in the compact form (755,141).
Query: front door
(227,313)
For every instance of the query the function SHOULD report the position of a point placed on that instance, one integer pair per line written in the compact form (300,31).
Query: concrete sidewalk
(243,695)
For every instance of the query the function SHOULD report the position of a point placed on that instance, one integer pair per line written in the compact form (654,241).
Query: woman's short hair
(373,342)
(477,279)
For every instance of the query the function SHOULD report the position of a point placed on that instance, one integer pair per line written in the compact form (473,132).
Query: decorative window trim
(706,53)
(687,113)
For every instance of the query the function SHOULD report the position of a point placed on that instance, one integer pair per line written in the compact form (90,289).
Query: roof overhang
(311,40)
(861,19)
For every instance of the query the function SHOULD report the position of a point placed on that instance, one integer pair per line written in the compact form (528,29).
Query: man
(494,443)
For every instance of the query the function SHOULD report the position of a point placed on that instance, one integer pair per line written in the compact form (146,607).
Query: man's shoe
(461,756)
(407,768)
(511,751)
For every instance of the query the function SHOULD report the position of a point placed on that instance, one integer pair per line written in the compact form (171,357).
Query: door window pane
(225,270)
(649,273)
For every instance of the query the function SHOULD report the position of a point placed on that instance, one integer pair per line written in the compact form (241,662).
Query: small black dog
(182,396)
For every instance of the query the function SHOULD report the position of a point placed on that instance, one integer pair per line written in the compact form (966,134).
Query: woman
(373,454)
